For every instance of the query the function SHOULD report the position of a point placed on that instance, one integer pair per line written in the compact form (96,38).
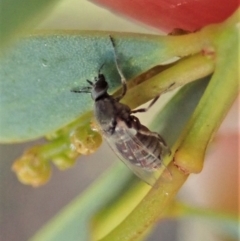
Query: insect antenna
(99,71)
(83,90)
(86,89)
(90,82)
(123,79)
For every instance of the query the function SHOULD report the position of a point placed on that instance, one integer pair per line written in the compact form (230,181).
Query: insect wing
(134,154)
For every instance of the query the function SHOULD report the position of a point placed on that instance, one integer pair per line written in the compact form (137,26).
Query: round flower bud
(32,169)
(85,140)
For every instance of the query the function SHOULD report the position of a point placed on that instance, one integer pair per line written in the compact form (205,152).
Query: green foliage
(18,15)
(38,72)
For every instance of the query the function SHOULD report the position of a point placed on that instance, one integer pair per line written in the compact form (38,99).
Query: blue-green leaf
(37,74)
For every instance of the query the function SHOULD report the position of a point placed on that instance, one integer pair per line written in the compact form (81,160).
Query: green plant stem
(215,103)
(180,209)
(200,45)
(183,72)
(55,147)
(83,120)
(114,213)
(150,209)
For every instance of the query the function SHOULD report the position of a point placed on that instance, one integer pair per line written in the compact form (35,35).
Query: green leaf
(37,74)
(17,15)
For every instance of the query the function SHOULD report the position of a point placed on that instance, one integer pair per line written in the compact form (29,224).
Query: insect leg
(146,109)
(123,79)
(112,126)
(152,102)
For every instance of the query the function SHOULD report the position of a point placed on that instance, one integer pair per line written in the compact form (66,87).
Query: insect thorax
(108,110)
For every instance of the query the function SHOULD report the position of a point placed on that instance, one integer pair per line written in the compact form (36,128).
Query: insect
(138,147)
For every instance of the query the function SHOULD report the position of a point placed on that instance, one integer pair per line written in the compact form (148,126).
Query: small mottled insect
(138,147)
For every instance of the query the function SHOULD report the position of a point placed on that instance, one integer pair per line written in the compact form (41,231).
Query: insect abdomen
(152,144)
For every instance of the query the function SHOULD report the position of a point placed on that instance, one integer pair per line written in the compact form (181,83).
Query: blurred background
(24,209)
